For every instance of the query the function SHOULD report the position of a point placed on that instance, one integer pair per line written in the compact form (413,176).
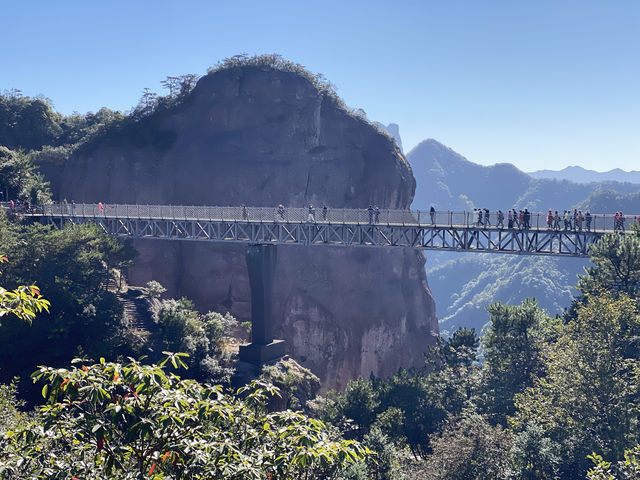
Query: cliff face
(261,137)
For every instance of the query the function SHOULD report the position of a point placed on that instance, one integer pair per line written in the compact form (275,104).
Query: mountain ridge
(579,174)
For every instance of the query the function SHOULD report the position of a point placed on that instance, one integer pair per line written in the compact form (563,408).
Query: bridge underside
(444,238)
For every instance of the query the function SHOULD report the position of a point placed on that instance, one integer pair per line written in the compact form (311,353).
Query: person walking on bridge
(376,214)
(325,210)
(579,220)
(500,221)
(370,211)
(245,214)
(432,214)
(587,221)
(479,211)
(510,219)
(311,218)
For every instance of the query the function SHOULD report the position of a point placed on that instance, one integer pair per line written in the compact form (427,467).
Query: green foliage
(30,124)
(131,421)
(27,123)
(384,465)
(629,468)
(73,266)
(155,289)
(296,384)
(535,456)
(616,260)
(588,399)
(461,347)
(10,415)
(513,348)
(19,179)
(24,302)
(470,448)
(412,404)
(203,337)
(277,62)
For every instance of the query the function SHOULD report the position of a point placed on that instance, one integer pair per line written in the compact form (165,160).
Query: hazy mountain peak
(578,174)
(392,129)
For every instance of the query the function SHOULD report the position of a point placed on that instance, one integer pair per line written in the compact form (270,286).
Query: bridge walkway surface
(444,231)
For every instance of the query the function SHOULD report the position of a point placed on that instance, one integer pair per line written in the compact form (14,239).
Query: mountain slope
(463,284)
(578,174)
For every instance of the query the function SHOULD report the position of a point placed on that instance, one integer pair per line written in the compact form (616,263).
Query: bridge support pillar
(261,262)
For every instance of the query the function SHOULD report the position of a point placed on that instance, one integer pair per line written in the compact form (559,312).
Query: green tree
(133,421)
(19,179)
(204,337)
(73,265)
(616,266)
(27,123)
(589,397)
(297,385)
(461,347)
(535,456)
(513,347)
(11,416)
(155,290)
(469,448)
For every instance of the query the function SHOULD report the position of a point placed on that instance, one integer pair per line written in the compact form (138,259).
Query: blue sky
(541,84)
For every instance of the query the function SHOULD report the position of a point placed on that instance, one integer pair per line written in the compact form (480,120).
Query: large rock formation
(263,136)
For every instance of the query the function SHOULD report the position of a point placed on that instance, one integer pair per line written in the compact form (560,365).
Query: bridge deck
(453,231)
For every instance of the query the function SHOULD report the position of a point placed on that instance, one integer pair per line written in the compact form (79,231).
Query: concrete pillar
(261,262)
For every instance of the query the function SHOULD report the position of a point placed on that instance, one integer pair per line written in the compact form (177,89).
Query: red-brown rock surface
(263,136)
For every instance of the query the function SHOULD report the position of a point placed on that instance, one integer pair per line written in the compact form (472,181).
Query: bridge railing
(468,219)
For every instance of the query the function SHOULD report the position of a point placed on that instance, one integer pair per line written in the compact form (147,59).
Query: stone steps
(136,311)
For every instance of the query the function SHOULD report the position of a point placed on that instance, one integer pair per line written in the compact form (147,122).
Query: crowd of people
(569,220)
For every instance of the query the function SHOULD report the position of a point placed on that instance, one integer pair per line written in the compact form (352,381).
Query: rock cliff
(261,136)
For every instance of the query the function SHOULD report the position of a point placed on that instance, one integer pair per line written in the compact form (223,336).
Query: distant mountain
(582,175)
(611,201)
(449,181)
(392,129)
(463,284)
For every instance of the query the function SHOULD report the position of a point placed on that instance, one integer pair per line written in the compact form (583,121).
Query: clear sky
(541,84)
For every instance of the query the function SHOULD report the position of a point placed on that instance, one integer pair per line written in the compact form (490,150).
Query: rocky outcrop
(263,136)
(392,129)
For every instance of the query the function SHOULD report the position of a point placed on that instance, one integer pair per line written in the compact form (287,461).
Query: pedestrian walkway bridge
(445,231)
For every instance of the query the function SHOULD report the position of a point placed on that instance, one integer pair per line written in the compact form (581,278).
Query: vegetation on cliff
(30,126)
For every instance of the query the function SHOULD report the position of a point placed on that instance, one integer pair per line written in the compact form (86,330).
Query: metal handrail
(360,216)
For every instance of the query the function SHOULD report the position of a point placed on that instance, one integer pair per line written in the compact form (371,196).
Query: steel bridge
(262,229)
(443,231)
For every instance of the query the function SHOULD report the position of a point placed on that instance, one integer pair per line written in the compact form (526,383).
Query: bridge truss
(466,238)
